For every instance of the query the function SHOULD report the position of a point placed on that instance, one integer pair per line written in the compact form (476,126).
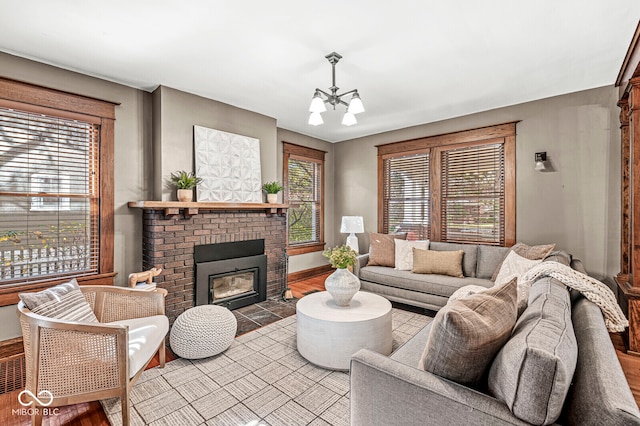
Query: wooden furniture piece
(628,279)
(329,334)
(70,362)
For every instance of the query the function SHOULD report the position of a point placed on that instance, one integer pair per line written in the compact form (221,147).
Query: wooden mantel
(172,208)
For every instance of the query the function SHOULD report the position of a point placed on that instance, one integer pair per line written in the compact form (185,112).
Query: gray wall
(577,206)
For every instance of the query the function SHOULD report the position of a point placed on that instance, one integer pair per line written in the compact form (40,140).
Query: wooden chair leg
(162,353)
(36,417)
(125,403)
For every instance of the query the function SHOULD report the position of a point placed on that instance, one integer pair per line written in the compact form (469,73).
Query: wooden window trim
(504,133)
(293,151)
(34,98)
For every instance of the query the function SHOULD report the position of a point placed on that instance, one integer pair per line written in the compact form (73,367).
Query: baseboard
(308,273)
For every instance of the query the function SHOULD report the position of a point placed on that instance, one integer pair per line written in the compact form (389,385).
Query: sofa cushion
(489,258)
(437,262)
(515,266)
(64,301)
(441,285)
(532,373)
(466,334)
(382,250)
(468,260)
(404,252)
(529,252)
(145,335)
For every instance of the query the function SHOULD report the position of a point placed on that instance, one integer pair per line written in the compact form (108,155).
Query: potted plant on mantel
(342,284)
(272,189)
(185,182)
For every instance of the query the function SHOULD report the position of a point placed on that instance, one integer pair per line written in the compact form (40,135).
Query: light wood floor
(92,414)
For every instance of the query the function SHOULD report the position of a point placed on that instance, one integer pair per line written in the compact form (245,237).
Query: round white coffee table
(329,334)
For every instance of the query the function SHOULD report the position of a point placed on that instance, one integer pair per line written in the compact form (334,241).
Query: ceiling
(413,62)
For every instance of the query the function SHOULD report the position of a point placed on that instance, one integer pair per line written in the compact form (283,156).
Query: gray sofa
(393,391)
(426,290)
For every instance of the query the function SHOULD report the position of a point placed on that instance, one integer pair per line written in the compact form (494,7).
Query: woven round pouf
(203,331)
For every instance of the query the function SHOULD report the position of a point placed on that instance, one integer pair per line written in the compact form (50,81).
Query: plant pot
(185,195)
(272,198)
(342,285)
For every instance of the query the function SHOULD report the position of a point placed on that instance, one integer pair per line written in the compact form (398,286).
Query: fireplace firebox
(232,274)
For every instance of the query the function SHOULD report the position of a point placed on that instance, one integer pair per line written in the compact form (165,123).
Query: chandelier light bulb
(317,104)
(355,106)
(315,119)
(349,119)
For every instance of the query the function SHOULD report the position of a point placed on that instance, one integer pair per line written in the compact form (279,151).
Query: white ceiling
(413,62)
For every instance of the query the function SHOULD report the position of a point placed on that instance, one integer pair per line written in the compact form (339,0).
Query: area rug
(261,380)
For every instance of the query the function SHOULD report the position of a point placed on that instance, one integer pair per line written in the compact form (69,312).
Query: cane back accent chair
(79,362)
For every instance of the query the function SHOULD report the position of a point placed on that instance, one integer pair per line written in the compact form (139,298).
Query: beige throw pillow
(529,252)
(467,333)
(515,266)
(64,301)
(404,253)
(438,262)
(382,250)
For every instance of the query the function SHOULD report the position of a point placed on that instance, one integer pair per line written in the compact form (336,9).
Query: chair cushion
(404,253)
(467,333)
(145,336)
(532,373)
(437,262)
(64,301)
(382,250)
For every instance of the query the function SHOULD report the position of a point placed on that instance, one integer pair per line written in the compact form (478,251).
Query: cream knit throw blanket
(591,288)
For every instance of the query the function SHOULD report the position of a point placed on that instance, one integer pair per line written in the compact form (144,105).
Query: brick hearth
(168,243)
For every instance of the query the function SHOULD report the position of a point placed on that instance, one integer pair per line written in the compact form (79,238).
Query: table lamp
(352,225)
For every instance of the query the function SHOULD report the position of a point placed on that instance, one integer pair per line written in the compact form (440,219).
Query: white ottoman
(203,331)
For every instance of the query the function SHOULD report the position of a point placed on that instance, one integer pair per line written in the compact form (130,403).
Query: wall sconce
(352,225)
(541,158)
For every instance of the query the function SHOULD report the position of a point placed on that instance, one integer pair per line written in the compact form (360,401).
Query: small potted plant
(185,182)
(272,189)
(342,284)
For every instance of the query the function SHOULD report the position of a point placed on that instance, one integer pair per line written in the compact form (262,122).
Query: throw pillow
(529,252)
(465,291)
(437,262)
(514,266)
(404,252)
(64,301)
(382,250)
(467,333)
(532,373)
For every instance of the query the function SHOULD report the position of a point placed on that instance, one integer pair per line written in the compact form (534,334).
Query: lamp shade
(355,106)
(315,119)
(352,225)
(540,166)
(349,119)
(317,104)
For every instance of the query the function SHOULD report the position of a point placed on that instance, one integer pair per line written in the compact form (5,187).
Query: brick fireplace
(170,235)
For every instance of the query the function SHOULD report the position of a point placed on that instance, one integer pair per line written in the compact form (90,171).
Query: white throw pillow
(515,266)
(404,253)
(465,291)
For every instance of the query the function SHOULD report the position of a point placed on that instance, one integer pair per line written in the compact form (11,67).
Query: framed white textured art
(229,166)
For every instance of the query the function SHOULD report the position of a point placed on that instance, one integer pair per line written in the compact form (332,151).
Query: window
(304,191)
(56,201)
(458,187)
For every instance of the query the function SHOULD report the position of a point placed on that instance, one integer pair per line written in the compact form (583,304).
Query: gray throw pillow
(64,301)
(467,333)
(532,373)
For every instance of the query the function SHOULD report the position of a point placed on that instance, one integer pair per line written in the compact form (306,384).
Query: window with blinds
(406,195)
(472,202)
(457,187)
(304,168)
(49,197)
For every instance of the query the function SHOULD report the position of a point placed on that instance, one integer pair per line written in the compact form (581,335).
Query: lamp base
(352,241)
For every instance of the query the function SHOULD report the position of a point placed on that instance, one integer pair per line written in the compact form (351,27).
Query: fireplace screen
(232,284)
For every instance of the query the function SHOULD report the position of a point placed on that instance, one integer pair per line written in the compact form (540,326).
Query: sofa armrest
(384,391)
(361,262)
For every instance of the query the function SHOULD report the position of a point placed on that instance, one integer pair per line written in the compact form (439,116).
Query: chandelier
(320,98)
